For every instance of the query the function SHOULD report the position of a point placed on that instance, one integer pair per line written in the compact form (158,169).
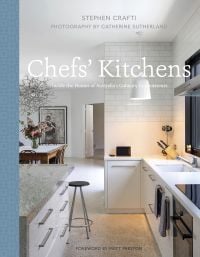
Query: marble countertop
(170,179)
(133,158)
(38,183)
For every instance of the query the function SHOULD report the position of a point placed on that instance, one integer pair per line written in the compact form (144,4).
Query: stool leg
(72,209)
(84,208)
(85,216)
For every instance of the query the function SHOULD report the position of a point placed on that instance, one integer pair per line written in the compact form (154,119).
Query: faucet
(194,162)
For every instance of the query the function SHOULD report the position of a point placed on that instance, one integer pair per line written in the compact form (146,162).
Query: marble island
(39,184)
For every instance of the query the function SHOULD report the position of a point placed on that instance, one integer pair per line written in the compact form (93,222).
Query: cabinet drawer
(59,246)
(149,184)
(63,211)
(60,195)
(149,208)
(37,232)
(43,243)
(53,205)
(45,217)
(146,167)
(63,190)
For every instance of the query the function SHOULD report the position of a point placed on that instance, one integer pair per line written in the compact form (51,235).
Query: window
(192,125)
(192,110)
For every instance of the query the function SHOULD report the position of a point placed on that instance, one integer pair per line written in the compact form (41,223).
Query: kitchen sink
(174,168)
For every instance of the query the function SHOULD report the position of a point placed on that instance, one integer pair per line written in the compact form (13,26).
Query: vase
(34,143)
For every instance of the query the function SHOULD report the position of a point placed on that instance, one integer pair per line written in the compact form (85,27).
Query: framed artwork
(56,119)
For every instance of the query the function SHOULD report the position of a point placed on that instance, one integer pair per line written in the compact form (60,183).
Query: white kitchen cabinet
(148,189)
(150,181)
(48,231)
(122,185)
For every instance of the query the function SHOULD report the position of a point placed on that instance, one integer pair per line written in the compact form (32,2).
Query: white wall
(79,98)
(138,123)
(98,119)
(186,43)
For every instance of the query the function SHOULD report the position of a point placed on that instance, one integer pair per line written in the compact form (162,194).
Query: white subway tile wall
(138,123)
(118,106)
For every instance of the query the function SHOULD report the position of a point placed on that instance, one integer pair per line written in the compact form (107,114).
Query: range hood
(189,88)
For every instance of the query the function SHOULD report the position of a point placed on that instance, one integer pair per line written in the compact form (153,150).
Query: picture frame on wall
(56,119)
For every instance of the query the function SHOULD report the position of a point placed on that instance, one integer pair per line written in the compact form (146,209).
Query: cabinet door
(150,192)
(148,189)
(123,180)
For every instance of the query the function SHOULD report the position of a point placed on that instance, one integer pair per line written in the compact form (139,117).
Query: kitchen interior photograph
(109,170)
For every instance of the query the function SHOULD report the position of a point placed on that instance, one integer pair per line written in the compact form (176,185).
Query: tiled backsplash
(138,123)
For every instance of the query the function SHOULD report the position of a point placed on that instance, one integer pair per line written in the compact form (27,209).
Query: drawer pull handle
(64,190)
(152,178)
(44,241)
(42,222)
(151,208)
(64,206)
(145,169)
(122,166)
(183,235)
(64,230)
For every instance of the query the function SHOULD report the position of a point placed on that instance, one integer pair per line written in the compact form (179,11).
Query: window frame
(190,109)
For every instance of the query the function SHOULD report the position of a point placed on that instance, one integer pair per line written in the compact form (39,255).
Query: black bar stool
(87,221)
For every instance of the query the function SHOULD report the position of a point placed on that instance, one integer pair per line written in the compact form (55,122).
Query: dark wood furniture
(44,153)
(31,157)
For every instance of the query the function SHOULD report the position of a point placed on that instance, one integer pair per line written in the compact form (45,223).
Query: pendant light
(141,88)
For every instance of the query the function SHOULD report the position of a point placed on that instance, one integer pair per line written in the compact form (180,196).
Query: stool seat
(78,183)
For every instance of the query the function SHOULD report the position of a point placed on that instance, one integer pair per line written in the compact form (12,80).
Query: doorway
(94,131)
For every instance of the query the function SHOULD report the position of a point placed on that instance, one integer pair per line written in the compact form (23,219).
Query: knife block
(171,152)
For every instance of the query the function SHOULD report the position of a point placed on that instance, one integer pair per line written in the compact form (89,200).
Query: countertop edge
(33,213)
(190,207)
(150,160)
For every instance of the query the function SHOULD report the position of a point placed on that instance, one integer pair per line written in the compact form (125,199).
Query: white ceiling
(37,39)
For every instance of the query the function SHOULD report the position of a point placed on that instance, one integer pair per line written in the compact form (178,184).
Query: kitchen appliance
(192,83)
(191,191)
(123,151)
(182,231)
